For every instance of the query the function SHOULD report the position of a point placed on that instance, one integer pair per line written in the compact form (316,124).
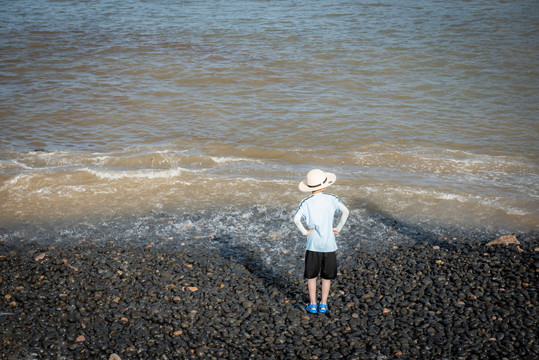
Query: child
(318,211)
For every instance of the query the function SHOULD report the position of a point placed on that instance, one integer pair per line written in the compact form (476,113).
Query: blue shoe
(323,308)
(311,308)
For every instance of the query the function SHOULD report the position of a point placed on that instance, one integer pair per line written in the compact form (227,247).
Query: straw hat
(317,179)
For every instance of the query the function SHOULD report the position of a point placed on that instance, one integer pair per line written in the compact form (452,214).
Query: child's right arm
(297,221)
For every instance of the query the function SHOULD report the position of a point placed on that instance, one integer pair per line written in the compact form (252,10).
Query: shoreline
(421,299)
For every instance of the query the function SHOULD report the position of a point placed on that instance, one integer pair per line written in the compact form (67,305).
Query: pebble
(421,300)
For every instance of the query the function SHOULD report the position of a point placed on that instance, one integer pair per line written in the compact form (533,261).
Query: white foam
(447,196)
(14,181)
(75,189)
(443,161)
(13,164)
(136,174)
(227,159)
(518,212)
(43,191)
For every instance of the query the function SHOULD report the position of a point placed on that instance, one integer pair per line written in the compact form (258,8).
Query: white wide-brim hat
(317,179)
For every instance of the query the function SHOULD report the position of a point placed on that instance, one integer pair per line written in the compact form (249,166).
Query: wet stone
(395,303)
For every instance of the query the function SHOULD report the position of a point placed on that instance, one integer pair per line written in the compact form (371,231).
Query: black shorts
(320,263)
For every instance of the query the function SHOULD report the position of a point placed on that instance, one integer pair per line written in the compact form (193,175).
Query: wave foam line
(425,159)
(413,195)
(15,180)
(137,158)
(137,174)
(227,159)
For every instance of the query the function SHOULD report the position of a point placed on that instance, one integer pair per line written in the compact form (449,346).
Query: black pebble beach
(419,300)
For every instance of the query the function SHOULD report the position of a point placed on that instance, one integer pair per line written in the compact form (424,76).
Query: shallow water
(426,112)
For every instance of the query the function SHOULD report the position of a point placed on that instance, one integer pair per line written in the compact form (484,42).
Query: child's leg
(311,284)
(329,271)
(325,291)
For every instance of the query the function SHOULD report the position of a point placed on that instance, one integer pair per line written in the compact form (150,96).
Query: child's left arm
(344,217)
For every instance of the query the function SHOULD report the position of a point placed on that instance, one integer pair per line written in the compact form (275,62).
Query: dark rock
(396,303)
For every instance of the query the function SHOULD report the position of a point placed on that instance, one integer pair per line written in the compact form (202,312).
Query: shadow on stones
(276,284)
(405,233)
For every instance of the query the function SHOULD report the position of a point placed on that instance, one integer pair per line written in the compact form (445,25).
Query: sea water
(207,114)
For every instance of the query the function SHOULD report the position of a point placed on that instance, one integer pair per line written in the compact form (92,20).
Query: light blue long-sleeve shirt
(318,210)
